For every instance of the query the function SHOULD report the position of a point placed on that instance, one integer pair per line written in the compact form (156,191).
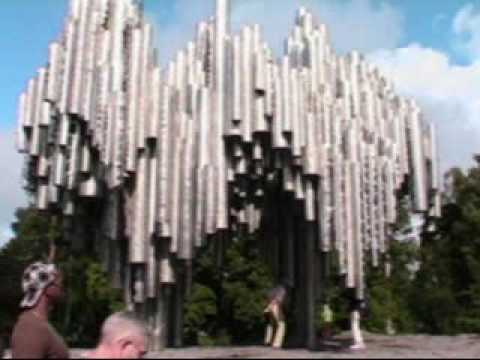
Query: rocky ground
(463,346)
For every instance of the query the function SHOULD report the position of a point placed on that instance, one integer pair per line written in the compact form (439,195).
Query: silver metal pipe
(247,87)
(133,93)
(65,95)
(286,96)
(416,149)
(21,140)
(138,239)
(153,123)
(54,72)
(79,58)
(278,139)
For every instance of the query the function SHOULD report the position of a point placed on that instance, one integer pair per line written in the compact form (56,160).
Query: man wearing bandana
(33,337)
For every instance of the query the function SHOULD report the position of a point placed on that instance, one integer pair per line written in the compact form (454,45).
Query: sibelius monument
(147,164)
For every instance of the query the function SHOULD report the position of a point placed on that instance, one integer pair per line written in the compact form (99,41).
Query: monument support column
(299,272)
(178,306)
(309,305)
(305,281)
(160,318)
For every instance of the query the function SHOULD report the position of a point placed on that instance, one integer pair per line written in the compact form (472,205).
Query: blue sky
(428,22)
(32,24)
(431,48)
(27,26)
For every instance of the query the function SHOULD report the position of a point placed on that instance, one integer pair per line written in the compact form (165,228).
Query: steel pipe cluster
(152,162)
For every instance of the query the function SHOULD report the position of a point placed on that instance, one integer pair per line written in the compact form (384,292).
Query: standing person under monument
(274,312)
(33,337)
(327,321)
(356,309)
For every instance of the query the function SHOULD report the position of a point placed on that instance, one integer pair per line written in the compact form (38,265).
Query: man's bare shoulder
(28,330)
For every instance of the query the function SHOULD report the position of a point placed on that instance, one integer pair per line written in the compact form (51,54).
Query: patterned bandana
(36,278)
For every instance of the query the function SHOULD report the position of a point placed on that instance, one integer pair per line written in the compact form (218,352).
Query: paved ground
(464,346)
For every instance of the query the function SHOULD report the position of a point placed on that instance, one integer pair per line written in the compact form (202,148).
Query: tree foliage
(89,296)
(31,243)
(449,276)
(89,300)
(442,297)
(389,296)
(227,303)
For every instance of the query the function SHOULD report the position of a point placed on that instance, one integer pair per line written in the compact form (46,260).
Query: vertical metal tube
(237,80)
(165,156)
(80,58)
(186,245)
(278,138)
(222,30)
(70,51)
(21,141)
(73,166)
(133,92)
(153,123)
(54,73)
(247,87)
(287,96)
(418,162)
(138,240)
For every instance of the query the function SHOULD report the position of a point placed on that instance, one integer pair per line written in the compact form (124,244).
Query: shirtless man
(33,337)
(123,336)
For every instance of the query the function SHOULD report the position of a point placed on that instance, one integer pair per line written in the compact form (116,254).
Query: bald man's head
(123,336)
(122,324)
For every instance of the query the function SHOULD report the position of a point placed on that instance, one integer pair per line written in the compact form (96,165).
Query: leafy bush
(89,296)
(200,315)
(227,304)
(90,299)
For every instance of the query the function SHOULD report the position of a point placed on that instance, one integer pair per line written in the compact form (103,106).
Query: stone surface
(390,347)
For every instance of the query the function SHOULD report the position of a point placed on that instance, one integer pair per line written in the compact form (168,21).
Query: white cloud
(447,93)
(466,28)
(11,192)
(354,24)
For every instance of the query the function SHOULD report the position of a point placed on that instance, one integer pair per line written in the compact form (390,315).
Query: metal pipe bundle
(171,158)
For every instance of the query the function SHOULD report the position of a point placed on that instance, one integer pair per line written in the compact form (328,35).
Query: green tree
(247,281)
(89,300)
(89,296)
(227,303)
(201,316)
(448,282)
(30,243)
(389,297)
(389,286)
